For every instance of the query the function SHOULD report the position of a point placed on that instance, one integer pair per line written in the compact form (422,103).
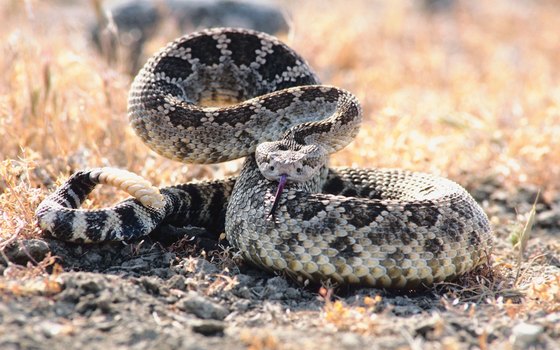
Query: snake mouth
(281,183)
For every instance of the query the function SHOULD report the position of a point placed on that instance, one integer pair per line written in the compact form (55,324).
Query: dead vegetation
(472,94)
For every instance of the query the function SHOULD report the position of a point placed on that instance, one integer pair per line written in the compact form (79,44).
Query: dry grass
(361,319)
(259,341)
(31,280)
(473,94)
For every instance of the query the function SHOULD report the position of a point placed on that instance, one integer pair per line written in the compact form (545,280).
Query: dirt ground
(145,295)
(193,291)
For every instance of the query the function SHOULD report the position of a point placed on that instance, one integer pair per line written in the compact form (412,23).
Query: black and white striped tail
(201,204)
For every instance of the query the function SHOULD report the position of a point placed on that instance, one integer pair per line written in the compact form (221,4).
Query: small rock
(549,218)
(69,295)
(500,196)
(91,286)
(350,340)
(485,190)
(528,193)
(161,272)
(105,302)
(137,264)
(151,285)
(277,283)
(245,281)
(406,310)
(275,288)
(82,283)
(93,258)
(242,305)
(170,299)
(21,252)
(86,306)
(105,326)
(243,292)
(202,307)
(292,293)
(64,308)
(525,333)
(401,301)
(245,286)
(52,329)
(205,267)
(177,282)
(208,327)
(168,234)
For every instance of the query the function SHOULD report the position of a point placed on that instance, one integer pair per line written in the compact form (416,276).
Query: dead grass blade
(524,237)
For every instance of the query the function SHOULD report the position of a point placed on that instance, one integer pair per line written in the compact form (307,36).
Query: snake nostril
(299,170)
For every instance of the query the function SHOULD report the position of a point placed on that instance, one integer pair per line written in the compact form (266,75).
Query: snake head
(297,163)
(285,161)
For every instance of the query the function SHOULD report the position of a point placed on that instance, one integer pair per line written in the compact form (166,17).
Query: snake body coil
(378,227)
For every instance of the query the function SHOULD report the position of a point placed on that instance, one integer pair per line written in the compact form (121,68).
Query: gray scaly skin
(378,227)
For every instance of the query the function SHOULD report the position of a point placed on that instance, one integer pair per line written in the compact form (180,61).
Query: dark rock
(242,305)
(202,307)
(549,218)
(245,280)
(152,285)
(208,327)
(24,251)
(437,6)
(275,288)
(245,286)
(133,23)
(83,283)
(292,293)
(205,267)
(177,282)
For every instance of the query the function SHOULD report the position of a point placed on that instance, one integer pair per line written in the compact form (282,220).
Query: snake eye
(271,168)
(299,170)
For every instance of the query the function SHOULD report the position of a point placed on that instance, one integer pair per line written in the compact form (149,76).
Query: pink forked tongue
(281,184)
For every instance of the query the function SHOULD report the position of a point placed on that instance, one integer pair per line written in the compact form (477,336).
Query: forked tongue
(281,184)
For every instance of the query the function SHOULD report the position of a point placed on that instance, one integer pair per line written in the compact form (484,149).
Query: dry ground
(471,93)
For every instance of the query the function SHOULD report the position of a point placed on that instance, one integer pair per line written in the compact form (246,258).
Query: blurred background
(466,89)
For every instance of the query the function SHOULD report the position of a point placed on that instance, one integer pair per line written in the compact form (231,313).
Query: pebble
(275,288)
(242,305)
(150,284)
(83,283)
(22,252)
(245,281)
(93,258)
(51,329)
(292,293)
(177,282)
(202,307)
(526,334)
(208,327)
(549,218)
(205,267)
(245,286)
(350,340)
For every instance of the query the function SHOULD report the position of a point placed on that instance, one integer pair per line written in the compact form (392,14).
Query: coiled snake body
(286,211)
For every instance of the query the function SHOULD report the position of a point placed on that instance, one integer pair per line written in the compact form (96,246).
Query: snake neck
(254,190)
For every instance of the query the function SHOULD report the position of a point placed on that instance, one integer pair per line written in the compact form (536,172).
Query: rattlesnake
(378,227)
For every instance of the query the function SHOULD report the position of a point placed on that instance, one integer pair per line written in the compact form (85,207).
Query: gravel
(149,294)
